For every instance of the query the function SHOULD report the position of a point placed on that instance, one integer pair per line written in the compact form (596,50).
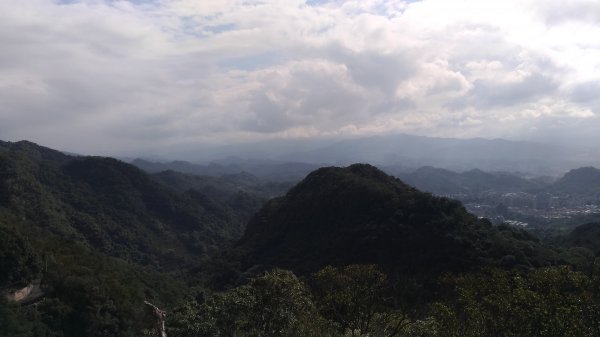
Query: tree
(274,304)
(546,302)
(357,298)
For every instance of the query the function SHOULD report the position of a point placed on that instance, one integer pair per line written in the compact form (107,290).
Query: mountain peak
(355,174)
(34,150)
(358,214)
(584,180)
(583,173)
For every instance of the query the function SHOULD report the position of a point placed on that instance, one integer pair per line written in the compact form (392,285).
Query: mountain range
(407,151)
(581,182)
(445,182)
(96,237)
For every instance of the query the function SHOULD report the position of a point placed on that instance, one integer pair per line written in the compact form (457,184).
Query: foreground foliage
(359,300)
(84,293)
(546,302)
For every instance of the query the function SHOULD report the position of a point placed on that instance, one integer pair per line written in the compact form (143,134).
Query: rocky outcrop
(27,294)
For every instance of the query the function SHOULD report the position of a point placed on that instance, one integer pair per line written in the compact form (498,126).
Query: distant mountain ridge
(212,169)
(584,180)
(581,182)
(443,182)
(410,151)
(263,169)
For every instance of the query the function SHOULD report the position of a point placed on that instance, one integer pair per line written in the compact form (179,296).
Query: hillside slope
(584,181)
(586,235)
(111,206)
(97,237)
(358,214)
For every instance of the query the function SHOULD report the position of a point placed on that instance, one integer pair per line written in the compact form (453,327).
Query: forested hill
(111,206)
(584,181)
(358,214)
(96,237)
(586,235)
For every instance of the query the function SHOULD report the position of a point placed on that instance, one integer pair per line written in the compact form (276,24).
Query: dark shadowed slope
(358,214)
(586,235)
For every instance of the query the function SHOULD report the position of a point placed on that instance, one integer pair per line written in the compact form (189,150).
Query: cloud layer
(125,77)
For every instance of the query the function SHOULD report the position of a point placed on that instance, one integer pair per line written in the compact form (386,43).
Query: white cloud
(123,77)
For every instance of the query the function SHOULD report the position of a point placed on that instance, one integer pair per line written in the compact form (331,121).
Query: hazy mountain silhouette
(440,181)
(582,181)
(409,151)
(263,169)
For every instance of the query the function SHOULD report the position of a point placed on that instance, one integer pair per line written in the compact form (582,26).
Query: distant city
(521,208)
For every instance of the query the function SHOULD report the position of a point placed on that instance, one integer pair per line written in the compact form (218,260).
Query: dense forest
(85,241)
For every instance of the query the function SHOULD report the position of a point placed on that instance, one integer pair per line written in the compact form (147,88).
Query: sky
(130,77)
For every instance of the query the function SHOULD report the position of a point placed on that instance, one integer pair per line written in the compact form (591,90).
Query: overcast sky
(126,77)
